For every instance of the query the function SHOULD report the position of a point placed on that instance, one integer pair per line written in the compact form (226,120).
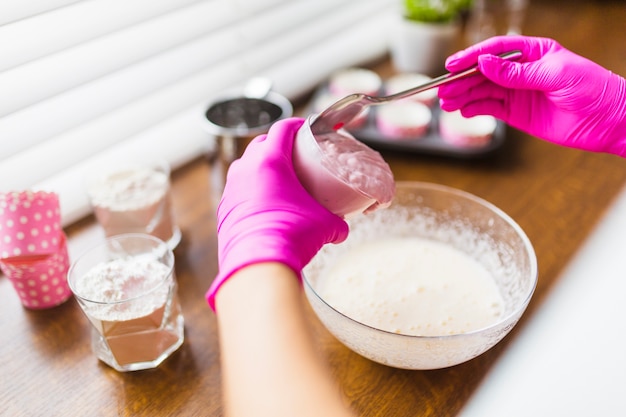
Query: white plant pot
(422,47)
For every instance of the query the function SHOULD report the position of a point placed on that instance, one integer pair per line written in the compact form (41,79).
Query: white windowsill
(570,358)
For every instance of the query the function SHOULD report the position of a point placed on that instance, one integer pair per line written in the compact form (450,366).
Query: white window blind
(90,81)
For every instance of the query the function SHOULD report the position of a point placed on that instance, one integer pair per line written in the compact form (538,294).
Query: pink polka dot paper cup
(30,224)
(40,282)
(33,249)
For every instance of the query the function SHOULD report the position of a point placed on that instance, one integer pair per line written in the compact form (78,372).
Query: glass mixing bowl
(452,217)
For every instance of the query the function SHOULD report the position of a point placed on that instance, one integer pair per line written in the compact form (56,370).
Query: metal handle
(445,78)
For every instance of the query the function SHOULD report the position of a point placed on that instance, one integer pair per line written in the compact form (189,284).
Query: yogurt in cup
(341,173)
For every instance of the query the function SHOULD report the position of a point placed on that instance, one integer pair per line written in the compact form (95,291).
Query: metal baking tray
(430,143)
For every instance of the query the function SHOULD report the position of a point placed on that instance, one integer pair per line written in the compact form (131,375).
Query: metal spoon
(346,109)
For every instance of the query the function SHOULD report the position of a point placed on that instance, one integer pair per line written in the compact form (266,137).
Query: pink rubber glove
(265,213)
(549,92)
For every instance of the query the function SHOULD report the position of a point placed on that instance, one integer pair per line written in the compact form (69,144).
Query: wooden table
(557,195)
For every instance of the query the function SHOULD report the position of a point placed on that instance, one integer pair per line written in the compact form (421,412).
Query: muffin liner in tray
(429,143)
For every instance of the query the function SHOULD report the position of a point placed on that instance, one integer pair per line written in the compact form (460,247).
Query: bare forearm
(269,364)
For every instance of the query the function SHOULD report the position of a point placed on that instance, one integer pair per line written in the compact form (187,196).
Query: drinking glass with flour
(127,289)
(134,198)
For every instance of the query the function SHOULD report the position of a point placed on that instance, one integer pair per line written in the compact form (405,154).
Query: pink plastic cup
(341,173)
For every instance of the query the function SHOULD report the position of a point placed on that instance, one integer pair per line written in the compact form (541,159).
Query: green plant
(435,11)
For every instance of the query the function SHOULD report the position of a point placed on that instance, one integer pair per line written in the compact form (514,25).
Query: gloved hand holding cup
(286,197)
